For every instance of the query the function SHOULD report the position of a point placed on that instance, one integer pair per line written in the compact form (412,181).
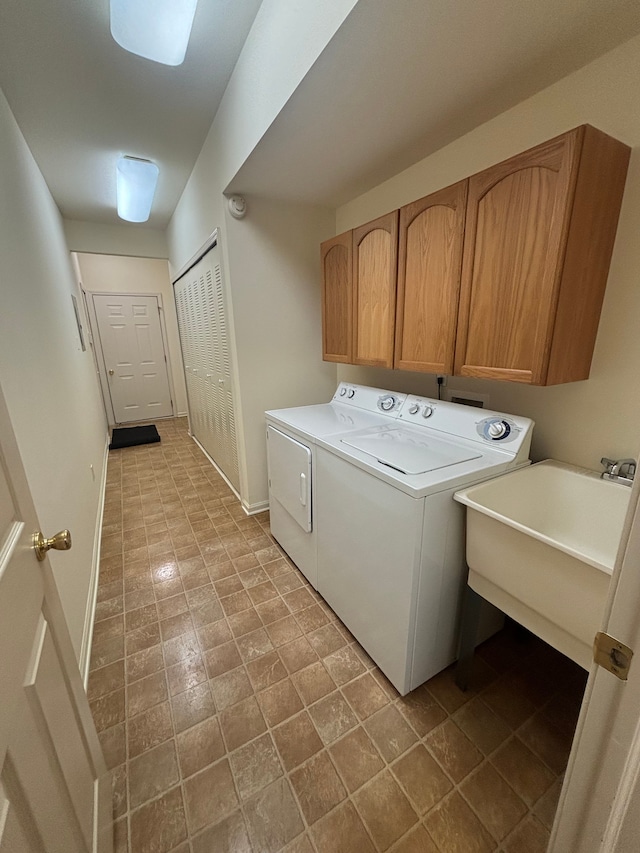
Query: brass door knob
(111,372)
(60,542)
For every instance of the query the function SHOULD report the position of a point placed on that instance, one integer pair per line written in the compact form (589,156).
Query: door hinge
(612,655)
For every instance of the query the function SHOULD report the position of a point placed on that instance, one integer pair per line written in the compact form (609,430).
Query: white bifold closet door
(202,321)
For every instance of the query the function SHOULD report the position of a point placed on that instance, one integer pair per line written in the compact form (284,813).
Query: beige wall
(48,381)
(276,305)
(582,421)
(270,259)
(115,274)
(131,240)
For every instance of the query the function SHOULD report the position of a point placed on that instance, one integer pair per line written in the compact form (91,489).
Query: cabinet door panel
(375,255)
(430,258)
(517,219)
(337,298)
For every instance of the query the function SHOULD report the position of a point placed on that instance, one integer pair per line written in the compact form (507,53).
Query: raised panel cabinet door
(337,298)
(517,221)
(375,262)
(429,266)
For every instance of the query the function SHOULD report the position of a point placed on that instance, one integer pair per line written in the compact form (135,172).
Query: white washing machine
(291,438)
(390,537)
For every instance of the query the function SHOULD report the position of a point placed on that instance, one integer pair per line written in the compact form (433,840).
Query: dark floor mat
(131,436)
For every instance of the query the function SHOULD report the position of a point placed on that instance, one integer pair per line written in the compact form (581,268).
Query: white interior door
(599,809)
(54,787)
(134,356)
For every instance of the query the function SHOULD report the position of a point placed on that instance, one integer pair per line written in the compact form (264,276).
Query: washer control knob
(414,409)
(387,402)
(351,393)
(343,391)
(497,429)
(427,411)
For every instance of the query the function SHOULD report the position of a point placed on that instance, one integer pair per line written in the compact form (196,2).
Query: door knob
(60,542)
(111,372)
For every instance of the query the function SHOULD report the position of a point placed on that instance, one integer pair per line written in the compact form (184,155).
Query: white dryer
(390,536)
(291,438)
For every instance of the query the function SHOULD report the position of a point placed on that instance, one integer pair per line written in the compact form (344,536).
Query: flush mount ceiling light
(135,188)
(155,29)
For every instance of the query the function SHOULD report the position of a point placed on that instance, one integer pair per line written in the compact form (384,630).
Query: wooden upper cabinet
(375,256)
(429,264)
(539,234)
(337,298)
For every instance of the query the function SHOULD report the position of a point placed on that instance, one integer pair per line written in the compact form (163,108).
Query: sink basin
(541,546)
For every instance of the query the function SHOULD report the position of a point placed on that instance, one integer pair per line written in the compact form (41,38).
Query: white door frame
(99,355)
(599,808)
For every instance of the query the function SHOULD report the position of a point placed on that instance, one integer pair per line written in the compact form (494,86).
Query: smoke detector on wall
(237,206)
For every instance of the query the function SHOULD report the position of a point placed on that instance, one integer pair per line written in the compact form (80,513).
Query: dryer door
(290,475)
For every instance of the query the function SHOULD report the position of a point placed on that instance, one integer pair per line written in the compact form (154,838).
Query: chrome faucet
(619,470)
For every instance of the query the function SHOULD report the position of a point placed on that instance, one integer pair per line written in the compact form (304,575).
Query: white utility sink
(541,546)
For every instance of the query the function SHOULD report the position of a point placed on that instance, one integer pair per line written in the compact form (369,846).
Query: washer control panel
(510,433)
(497,429)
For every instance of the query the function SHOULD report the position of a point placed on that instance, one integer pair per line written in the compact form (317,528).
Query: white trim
(255,509)
(209,243)
(216,466)
(182,414)
(87,633)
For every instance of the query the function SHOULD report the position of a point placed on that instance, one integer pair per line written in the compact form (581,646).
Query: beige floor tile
(186,674)
(317,787)
(241,722)
(313,682)
(421,778)
(255,766)
(152,773)
(390,823)
(297,740)
(209,796)
(529,837)
(455,828)
(221,659)
(422,710)
(200,746)
(485,729)
(232,687)
(273,817)
(332,717)
(390,732)
(356,758)
(523,771)
(213,610)
(160,825)
(192,706)
(417,840)
(342,831)
(365,696)
(228,836)
(279,702)
(453,750)
(499,808)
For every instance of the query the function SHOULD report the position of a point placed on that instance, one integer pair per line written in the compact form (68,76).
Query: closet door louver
(202,322)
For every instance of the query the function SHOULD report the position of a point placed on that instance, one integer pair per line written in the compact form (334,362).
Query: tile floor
(239,716)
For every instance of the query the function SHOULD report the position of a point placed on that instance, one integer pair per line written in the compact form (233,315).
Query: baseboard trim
(182,415)
(87,634)
(217,467)
(255,509)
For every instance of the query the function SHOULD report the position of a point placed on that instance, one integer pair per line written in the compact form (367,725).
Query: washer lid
(408,453)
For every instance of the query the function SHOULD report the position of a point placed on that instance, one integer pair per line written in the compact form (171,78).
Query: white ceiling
(400,79)
(403,78)
(81,100)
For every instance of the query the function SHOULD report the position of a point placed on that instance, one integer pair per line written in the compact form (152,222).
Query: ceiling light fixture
(155,29)
(135,188)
